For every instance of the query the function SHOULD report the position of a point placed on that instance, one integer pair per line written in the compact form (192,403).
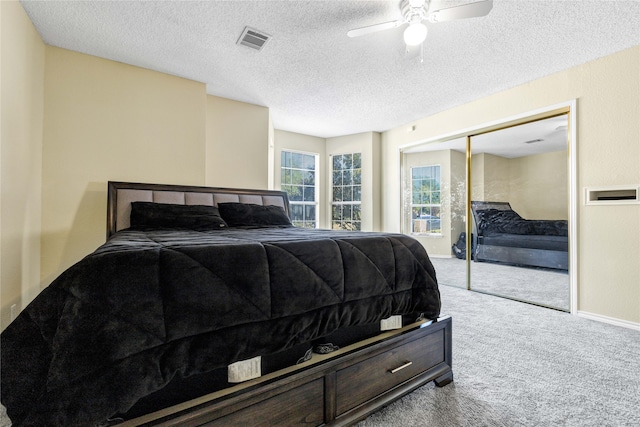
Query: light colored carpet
(540,286)
(517,364)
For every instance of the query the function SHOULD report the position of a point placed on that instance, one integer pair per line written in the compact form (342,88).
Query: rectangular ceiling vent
(254,39)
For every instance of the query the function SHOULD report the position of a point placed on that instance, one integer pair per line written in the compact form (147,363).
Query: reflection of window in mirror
(434,196)
(434,200)
(425,200)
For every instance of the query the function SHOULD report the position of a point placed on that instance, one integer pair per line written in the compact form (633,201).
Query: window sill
(429,235)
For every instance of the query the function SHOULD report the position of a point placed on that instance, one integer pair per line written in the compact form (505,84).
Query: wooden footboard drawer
(339,389)
(365,380)
(301,406)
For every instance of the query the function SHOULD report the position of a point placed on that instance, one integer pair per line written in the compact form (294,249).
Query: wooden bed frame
(336,389)
(519,256)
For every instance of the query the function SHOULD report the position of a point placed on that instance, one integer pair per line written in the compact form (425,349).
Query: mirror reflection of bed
(520,189)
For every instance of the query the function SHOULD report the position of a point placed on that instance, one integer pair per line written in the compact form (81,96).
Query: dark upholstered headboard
(120,195)
(477,206)
(502,206)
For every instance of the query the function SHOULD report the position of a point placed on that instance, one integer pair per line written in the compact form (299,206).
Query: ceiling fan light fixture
(415,34)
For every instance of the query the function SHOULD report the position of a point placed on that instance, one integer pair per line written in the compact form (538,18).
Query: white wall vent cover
(614,195)
(253,38)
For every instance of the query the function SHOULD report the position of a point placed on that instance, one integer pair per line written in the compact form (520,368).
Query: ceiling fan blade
(373,28)
(464,11)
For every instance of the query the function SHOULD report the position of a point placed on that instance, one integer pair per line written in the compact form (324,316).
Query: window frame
(422,206)
(354,182)
(316,187)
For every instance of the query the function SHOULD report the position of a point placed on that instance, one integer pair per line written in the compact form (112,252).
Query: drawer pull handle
(399,368)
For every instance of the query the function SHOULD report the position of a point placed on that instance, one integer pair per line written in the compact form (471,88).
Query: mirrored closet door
(434,197)
(518,209)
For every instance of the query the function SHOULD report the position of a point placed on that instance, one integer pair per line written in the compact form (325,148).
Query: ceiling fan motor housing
(414,10)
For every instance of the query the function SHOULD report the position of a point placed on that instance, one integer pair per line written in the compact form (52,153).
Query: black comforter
(499,221)
(148,306)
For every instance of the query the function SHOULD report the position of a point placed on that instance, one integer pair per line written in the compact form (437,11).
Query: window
(347,192)
(298,179)
(425,200)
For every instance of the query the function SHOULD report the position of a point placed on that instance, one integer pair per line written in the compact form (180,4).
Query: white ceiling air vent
(254,39)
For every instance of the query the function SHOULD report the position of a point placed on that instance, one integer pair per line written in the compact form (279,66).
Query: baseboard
(610,320)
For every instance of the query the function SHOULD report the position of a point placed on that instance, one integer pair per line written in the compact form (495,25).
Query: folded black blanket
(150,305)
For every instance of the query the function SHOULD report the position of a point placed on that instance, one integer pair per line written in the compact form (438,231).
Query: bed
(205,306)
(502,235)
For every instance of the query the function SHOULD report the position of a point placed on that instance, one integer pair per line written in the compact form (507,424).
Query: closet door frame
(570,109)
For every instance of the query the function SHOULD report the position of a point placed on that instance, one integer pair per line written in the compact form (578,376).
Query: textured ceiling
(542,136)
(317,81)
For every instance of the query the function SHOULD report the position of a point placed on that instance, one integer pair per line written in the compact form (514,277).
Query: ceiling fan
(414,12)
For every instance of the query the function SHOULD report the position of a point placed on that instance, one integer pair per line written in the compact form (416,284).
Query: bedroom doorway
(526,164)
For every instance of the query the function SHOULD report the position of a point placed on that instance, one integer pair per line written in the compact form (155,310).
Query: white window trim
(316,189)
(351,202)
(421,205)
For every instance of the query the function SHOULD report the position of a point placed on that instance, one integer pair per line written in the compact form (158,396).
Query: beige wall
(22,87)
(104,121)
(458,195)
(290,141)
(490,177)
(536,186)
(237,151)
(272,155)
(608,153)
(376,179)
(539,185)
(367,143)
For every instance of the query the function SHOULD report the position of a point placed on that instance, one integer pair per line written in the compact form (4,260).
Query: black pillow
(166,215)
(245,214)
